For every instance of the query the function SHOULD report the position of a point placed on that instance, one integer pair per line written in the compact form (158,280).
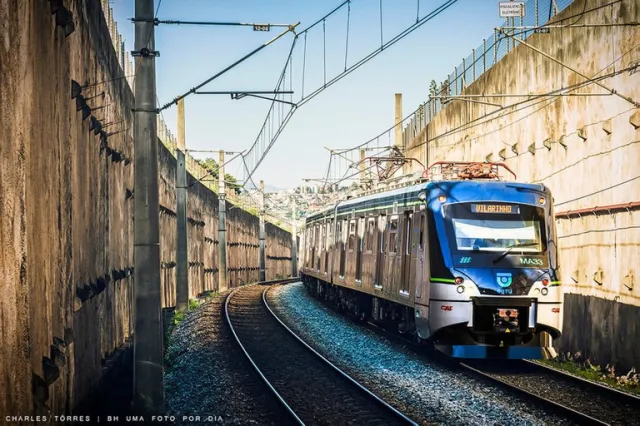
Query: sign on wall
(512,9)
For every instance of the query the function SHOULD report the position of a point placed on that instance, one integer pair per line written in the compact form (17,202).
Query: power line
(489,116)
(267,137)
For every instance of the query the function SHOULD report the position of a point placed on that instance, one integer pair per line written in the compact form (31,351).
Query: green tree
(211,165)
(433,88)
(232,183)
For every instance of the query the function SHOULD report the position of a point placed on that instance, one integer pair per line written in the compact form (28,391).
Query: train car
(464,260)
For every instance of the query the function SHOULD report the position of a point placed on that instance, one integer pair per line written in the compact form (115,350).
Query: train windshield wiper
(511,247)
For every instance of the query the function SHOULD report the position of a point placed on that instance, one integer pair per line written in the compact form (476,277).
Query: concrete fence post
(261,232)
(182,254)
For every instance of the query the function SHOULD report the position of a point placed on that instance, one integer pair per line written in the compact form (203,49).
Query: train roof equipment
(465,170)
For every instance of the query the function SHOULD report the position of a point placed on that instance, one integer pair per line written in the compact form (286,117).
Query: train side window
(370,234)
(408,235)
(393,235)
(352,235)
(345,232)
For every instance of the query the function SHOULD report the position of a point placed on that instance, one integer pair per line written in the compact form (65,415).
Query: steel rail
(562,408)
(422,350)
(613,391)
(264,379)
(333,366)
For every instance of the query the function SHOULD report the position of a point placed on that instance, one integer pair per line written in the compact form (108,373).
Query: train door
(420,224)
(369,258)
(321,248)
(343,253)
(379,278)
(318,243)
(351,248)
(394,251)
(327,248)
(335,254)
(312,250)
(359,244)
(406,256)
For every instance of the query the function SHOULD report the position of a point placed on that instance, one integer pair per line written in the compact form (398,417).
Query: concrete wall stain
(66,212)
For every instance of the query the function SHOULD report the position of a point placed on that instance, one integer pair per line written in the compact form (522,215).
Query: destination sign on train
(495,208)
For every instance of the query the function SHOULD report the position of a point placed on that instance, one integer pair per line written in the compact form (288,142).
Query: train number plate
(505,320)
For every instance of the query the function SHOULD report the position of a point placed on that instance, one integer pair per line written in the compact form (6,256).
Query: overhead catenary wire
(535,97)
(325,84)
(218,74)
(346,46)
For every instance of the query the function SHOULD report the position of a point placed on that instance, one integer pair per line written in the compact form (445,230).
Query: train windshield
(496,228)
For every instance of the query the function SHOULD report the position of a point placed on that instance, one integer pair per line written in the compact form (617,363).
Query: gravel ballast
(598,402)
(210,377)
(416,386)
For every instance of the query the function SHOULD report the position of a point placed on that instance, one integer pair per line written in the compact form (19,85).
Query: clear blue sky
(348,113)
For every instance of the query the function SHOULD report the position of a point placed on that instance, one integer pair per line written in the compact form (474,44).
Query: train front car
(494,289)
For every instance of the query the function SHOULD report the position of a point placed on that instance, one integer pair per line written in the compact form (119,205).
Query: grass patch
(178,318)
(580,366)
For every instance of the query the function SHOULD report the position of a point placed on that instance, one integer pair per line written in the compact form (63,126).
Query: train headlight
(544,291)
(536,291)
(541,200)
(442,198)
(459,280)
(545,282)
(460,289)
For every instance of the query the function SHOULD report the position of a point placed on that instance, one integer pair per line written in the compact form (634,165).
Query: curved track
(588,402)
(311,388)
(581,400)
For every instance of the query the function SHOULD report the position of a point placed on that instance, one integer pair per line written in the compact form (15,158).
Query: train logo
(504,279)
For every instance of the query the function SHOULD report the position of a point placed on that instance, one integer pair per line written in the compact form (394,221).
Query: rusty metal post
(473,67)
(495,46)
(464,75)
(484,55)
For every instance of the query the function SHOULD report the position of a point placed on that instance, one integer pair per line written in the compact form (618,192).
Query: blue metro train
(465,260)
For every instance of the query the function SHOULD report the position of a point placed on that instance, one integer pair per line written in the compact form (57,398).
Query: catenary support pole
(294,240)
(261,233)
(222,226)
(182,266)
(399,142)
(363,155)
(148,386)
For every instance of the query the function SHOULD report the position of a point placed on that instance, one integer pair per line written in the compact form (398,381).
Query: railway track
(312,390)
(586,401)
(580,400)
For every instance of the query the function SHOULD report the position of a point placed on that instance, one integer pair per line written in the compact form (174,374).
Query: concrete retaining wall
(585,148)
(66,215)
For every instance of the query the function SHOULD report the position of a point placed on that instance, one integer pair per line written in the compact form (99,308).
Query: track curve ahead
(586,401)
(313,390)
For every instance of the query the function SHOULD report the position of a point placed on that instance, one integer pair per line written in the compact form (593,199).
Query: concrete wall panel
(66,211)
(591,161)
